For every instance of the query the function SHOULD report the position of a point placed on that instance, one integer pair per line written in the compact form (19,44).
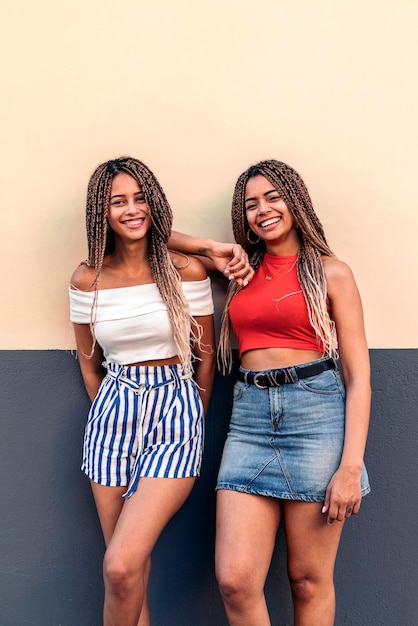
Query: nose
(263,207)
(131,207)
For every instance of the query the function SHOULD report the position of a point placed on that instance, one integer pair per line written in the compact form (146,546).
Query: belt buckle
(256,383)
(288,375)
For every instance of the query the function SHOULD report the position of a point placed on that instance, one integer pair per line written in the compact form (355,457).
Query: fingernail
(324,508)
(244,283)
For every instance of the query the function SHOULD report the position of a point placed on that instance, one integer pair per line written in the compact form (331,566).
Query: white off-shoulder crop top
(132,323)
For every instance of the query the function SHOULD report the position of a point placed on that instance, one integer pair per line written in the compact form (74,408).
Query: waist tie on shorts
(285,375)
(140,377)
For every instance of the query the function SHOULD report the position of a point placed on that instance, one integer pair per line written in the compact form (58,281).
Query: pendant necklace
(285,267)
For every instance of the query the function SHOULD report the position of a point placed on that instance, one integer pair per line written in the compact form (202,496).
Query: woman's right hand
(237,267)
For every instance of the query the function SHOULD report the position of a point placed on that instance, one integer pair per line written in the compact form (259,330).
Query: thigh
(109,503)
(145,514)
(246,528)
(312,544)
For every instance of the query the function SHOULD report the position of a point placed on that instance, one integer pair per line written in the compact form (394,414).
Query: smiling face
(269,218)
(129,216)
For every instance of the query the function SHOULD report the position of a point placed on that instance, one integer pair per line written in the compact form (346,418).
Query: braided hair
(313,244)
(101,242)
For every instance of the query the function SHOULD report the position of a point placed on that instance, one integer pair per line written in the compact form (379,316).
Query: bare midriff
(276,358)
(174,360)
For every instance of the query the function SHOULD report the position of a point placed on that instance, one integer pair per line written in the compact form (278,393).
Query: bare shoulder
(341,284)
(82,277)
(336,269)
(190,268)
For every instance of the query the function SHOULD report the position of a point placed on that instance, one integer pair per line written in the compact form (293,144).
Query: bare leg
(312,546)
(145,617)
(245,536)
(109,504)
(127,561)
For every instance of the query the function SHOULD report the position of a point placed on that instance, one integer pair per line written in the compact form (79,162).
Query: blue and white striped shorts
(144,421)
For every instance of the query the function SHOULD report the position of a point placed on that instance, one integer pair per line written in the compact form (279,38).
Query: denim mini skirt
(286,441)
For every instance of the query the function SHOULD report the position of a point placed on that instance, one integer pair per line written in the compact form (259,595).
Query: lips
(135,223)
(270,222)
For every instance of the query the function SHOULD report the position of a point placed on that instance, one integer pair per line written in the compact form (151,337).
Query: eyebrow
(264,194)
(122,195)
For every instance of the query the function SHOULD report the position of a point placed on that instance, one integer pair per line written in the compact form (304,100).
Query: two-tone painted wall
(199,91)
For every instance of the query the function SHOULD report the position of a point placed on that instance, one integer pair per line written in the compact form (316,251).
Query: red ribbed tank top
(273,313)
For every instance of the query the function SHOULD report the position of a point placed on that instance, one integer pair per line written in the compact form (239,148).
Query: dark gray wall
(51,546)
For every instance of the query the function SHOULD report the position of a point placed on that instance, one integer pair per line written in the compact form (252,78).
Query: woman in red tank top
(298,429)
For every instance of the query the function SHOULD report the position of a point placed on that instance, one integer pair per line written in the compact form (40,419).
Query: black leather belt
(285,375)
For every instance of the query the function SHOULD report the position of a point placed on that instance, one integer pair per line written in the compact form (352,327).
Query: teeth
(270,222)
(134,222)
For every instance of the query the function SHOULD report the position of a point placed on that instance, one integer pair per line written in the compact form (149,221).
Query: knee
(119,578)
(229,589)
(306,589)
(303,589)
(235,588)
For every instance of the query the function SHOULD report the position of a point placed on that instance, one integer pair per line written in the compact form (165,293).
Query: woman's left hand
(343,496)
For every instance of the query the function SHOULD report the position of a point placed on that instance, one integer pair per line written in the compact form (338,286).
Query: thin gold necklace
(283,269)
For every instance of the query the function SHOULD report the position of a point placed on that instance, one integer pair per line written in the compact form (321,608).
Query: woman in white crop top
(143,322)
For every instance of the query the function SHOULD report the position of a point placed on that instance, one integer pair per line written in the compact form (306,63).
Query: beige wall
(199,90)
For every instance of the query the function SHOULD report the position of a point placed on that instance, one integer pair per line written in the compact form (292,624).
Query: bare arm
(344,491)
(92,370)
(229,259)
(205,366)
